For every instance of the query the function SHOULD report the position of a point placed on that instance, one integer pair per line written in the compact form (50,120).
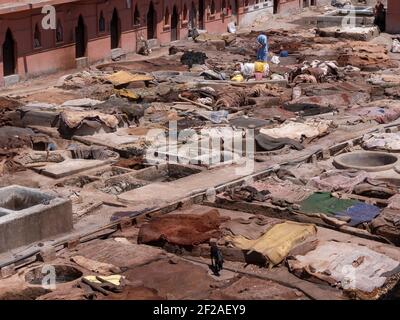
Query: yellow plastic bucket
(259,67)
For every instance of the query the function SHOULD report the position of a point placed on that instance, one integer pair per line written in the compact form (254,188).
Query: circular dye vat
(366,160)
(63,274)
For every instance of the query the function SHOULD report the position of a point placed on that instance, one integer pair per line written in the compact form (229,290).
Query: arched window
(102,22)
(212,7)
(136,16)
(59,32)
(184,13)
(246,3)
(166,17)
(37,37)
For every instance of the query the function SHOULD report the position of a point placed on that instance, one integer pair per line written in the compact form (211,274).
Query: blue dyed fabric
(284,54)
(359,213)
(262,53)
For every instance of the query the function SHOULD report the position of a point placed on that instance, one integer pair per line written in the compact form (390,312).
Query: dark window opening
(80,38)
(212,7)
(102,23)
(184,13)
(59,32)
(9,54)
(37,37)
(151,22)
(193,16)
(224,9)
(175,24)
(166,17)
(115,30)
(201,14)
(276,5)
(136,16)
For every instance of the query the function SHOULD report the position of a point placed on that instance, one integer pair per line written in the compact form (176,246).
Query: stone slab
(69,167)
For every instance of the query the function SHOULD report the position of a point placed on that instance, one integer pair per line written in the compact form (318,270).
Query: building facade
(393,16)
(88,30)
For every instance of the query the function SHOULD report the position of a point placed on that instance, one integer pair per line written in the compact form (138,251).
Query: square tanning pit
(166,172)
(28,215)
(120,184)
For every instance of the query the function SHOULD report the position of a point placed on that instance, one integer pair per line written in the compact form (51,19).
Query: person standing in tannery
(217,260)
(262,52)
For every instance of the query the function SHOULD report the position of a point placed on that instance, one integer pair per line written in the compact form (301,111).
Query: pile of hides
(291,41)
(283,192)
(299,131)
(393,93)
(267,143)
(355,268)
(251,228)
(381,111)
(313,72)
(14,138)
(375,189)
(84,102)
(96,266)
(115,105)
(387,225)
(354,211)
(7,163)
(338,180)
(213,75)
(27,158)
(190,58)
(389,141)
(247,193)
(123,78)
(70,121)
(181,229)
(277,242)
(7,105)
(319,104)
(91,153)
(385,80)
(366,56)
(226,37)
(232,98)
(81,79)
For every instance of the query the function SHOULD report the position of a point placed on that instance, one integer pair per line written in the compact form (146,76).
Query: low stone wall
(29,215)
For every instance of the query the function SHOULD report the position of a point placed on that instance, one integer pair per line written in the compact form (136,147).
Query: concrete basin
(29,215)
(366,160)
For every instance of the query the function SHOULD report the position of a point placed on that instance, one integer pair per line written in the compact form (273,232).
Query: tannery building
(87,30)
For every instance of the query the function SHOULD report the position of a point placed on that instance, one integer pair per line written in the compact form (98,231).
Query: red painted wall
(393,16)
(52,56)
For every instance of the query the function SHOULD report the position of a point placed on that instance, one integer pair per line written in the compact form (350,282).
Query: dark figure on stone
(217,260)
(380,15)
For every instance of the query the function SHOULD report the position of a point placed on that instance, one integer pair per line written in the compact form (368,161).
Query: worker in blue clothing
(262,52)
